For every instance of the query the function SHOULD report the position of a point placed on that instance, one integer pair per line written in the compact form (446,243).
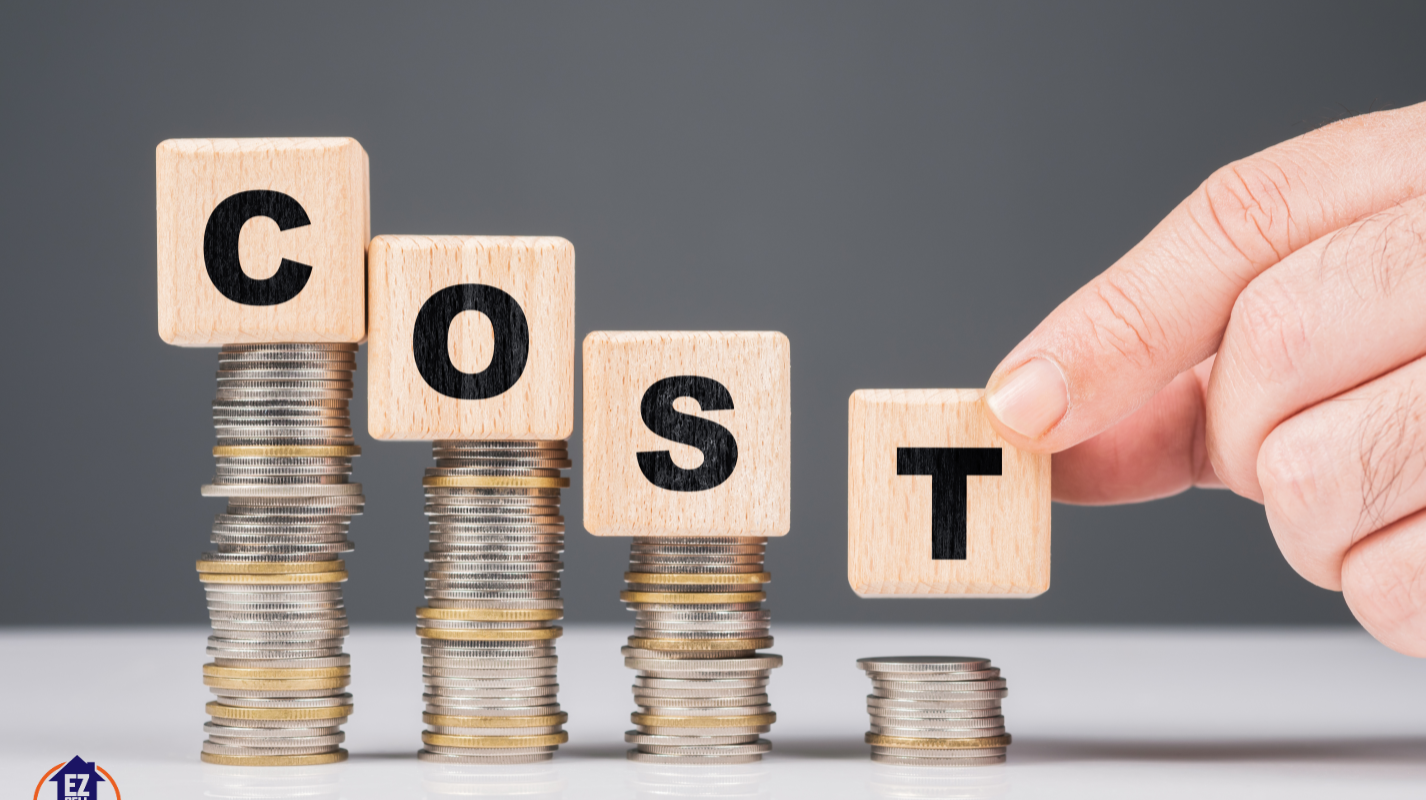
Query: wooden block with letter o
(471,337)
(262,240)
(938,503)
(687,434)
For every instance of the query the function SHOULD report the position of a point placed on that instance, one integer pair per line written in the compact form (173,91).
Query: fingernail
(1032,399)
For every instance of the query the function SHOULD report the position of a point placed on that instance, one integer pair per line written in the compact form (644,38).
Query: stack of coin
(273,583)
(492,596)
(702,686)
(935,711)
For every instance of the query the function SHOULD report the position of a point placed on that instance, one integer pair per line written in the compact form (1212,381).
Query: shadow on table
(1397,750)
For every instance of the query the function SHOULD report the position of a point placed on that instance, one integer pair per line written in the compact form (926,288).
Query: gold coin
(918,743)
(542,721)
(448,740)
(496,481)
(693,598)
(275,761)
(271,567)
(523,635)
(286,451)
(282,684)
(700,644)
(490,614)
(305,577)
(274,674)
(703,722)
(697,579)
(237,712)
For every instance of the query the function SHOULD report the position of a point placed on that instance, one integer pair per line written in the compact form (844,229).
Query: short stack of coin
(702,686)
(935,711)
(493,594)
(273,582)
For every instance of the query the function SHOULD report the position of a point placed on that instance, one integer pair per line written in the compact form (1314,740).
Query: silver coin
(446,708)
(486,664)
(258,654)
(983,694)
(943,733)
(914,716)
(230,750)
(756,746)
(666,666)
(669,730)
(289,702)
(506,693)
(932,679)
(444,673)
(276,724)
(449,731)
(873,701)
(502,605)
(284,742)
(488,683)
(698,693)
(339,660)
(703,616)
(922,663)
(666,704)
(286,694)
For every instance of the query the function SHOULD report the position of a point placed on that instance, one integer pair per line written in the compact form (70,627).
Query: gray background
(905,189)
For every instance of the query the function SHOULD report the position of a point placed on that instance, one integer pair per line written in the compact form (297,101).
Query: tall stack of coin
(702,686)
(493,594)
(935,711)
(274,579)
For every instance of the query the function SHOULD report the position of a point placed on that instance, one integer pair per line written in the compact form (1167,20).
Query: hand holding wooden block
(687,434)
(938,503)
(262,240)
(471,337)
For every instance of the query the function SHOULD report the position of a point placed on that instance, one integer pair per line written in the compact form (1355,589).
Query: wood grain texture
(405,271)
(327,177)
(754,500)
(889,515)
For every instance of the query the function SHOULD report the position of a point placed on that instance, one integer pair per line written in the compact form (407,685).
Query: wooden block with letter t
(262,240)
(687,434)
(471,337)
(938,503)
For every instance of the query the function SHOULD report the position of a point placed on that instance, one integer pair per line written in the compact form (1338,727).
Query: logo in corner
(77,780)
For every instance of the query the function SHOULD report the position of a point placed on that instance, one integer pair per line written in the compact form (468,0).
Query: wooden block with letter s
(471,337)
(687,433)
(262,240)
(938,504)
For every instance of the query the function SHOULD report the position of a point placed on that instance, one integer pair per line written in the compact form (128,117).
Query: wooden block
(471,337)
(938,503)
(687,434)
(262,240)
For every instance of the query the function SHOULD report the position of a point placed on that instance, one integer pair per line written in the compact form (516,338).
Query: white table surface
(1096,712)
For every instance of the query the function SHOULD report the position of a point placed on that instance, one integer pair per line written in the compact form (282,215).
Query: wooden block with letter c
(471,337)
(261,240)
(687,433)
(938,503)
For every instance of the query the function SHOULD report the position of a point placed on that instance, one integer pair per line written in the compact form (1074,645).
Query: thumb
(1162,308)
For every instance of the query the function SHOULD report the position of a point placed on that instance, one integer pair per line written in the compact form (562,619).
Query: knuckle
(1248,206)
(1385,586)
(1287,473)
(1120,318)
(1390,457)
(1268,324)
(1380,253)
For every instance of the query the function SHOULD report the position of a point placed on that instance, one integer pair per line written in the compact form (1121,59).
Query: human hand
(1267,336)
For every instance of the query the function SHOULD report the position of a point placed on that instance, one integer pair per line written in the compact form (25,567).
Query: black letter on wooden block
(948,468)
(431,341)
(720,451)
(220,248)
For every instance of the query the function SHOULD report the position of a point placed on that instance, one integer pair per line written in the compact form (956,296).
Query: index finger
(1162,308)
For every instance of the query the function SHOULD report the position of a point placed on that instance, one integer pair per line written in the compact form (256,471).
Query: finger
(1384,582)
(1344,468)
(1157,451)
(1333,315)
(1162,308)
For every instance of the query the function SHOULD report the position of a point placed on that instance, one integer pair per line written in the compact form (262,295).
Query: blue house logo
(78,780)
